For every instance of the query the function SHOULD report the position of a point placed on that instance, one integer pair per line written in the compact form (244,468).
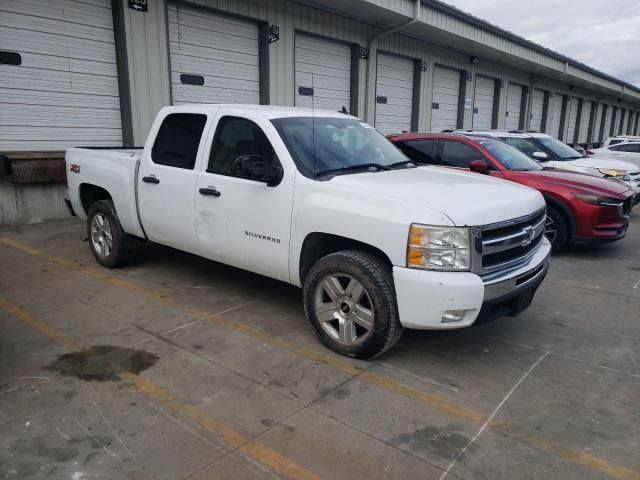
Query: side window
(420,150)
(178,139)
(627,147)
(237,138)
(458,154)
(614,142)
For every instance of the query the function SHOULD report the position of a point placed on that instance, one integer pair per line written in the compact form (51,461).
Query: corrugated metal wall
(148,56)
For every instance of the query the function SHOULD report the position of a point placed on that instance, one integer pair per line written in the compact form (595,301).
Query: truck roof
(269,111)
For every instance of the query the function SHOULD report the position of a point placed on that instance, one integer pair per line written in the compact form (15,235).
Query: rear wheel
(556,228)
(350,300)
(108,241)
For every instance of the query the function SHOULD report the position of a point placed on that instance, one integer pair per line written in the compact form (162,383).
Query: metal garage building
(95,72)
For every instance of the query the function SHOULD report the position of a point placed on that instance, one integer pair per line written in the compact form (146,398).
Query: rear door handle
(151,179)
(210,191)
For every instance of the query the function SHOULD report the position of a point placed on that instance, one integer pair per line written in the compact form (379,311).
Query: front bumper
(425,296)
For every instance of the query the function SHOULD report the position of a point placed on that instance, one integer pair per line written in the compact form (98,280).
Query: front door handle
(151,179)
(210,191)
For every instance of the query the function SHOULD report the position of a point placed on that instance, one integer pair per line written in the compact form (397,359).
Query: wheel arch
(90,194)
(319,244)
(565,211)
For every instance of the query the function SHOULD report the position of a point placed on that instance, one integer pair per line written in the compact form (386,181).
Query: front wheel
(349,297)
(109,243)
(556,228)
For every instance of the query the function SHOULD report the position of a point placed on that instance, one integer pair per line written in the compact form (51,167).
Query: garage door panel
(446,89)
(556,114)
(67,81)
(537,105)
(584,121)
(514,107)
(572,118)
(321,83)
(221,49)
(38,97)
(483,102)
(395,82)
(192,21)
(325,65)
(79,31)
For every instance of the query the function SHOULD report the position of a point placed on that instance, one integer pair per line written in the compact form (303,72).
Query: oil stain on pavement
(102,363)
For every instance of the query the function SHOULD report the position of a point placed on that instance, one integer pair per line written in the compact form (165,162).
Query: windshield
(339,143)
(511,158)
(559,149)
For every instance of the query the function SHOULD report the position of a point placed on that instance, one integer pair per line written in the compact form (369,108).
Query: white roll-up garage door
(607,123)
(585,117)
(214,58)
(597,121)
(446,95)
(324,65)
(394,93)
(61,88)
(555,109)
(483,99)
(537,105)
(572,118)
(514,107)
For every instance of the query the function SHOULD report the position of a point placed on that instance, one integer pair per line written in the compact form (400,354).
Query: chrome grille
(508,244)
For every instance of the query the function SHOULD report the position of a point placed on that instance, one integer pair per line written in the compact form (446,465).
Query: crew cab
(552,153)
(580,208)
(325,202)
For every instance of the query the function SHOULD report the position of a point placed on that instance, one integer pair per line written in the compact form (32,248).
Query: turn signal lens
(438,248)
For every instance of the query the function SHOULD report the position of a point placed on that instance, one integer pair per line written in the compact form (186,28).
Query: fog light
(453,316)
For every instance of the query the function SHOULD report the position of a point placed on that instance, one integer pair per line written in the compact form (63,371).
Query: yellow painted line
(233,438)
(578,457)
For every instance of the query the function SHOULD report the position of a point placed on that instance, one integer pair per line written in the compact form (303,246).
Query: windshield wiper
(352,167)
(404,162)
(572,158)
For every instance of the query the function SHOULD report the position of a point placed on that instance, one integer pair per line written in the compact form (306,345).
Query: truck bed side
(92,172)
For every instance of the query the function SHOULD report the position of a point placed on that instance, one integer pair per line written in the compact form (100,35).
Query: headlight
(609,172)
(596,200)
(438,248)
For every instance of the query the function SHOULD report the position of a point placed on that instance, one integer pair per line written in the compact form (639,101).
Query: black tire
(560,237)
(376,278)
(123,245)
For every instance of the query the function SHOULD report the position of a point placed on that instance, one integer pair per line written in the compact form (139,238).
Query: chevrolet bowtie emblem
(528,233)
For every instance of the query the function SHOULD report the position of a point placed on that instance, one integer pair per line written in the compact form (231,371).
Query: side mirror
(540,156)
(254,167)
(480,166)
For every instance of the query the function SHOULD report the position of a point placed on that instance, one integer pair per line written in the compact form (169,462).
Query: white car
(629,151)
(325,202)
(620,139)
(551,152)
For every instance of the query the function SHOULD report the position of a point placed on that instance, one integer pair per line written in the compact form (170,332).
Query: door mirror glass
(480,166)
(540,156)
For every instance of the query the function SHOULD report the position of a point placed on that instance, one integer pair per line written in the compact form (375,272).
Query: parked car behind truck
(325,202)
(580,208)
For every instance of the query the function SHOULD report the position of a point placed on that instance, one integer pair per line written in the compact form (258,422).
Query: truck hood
(602,162)
(467,198)
(563,181)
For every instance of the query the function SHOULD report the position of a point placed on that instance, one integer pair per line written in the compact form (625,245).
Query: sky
(604,34)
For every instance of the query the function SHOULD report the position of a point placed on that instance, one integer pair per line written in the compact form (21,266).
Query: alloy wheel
(101,235)
(550,229)
(344,309)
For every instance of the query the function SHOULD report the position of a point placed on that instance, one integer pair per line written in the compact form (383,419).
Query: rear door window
(458,154)
(178,139)
(422,151)
(627,147)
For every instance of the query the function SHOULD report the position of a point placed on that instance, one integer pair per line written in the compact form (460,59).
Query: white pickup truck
(325,202)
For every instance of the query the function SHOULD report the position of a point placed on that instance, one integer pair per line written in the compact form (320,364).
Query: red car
(580,208)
